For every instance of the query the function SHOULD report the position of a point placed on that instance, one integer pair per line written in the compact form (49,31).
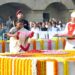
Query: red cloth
(31,34)
(25,48)
(18,35)
(71,28)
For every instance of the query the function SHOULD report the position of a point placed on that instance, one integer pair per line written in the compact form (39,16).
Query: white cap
(73,14)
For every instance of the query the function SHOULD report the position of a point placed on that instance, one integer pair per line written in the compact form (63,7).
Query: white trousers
(70,45)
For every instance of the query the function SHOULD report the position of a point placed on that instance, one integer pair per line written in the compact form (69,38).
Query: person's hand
(73,35)
(31,34)
(11,35)
(55,35)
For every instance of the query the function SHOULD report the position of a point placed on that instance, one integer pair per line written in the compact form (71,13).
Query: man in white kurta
(70,33)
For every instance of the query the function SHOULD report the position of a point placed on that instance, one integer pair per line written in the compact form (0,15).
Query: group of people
(20,28)
(52,25)
(68,30)
(5,27)
(19,34)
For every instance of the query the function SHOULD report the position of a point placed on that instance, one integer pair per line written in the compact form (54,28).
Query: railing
(38,44)
(38,64)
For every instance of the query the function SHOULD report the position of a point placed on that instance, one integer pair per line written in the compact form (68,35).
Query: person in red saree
(69,33)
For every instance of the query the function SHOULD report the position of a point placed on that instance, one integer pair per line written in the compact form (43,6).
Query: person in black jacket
(19,15)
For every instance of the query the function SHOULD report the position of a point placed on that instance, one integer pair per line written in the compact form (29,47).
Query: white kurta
(70,44)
